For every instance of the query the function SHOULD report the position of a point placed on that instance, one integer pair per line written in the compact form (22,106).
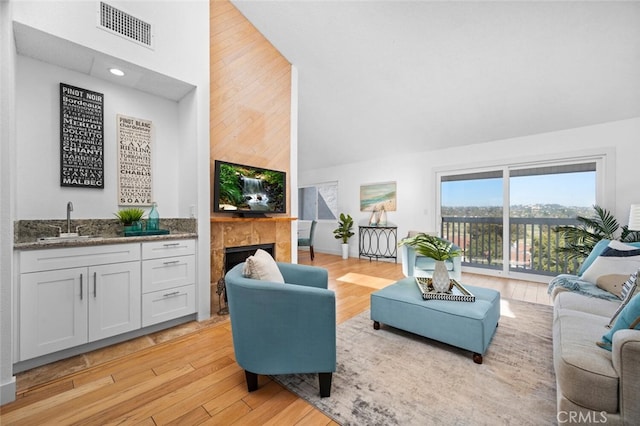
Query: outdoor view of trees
(538,200)
(533,241)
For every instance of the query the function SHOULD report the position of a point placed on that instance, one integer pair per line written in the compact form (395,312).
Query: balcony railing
(533,246)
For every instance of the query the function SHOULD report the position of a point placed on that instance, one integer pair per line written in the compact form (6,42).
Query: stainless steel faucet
(69,210)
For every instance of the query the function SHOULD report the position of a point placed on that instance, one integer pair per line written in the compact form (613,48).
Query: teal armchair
(283,328)
(416,265)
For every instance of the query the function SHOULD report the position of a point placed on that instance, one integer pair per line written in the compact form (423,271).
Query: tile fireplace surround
(237,232)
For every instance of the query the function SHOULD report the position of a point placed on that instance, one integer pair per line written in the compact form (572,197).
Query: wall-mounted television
(246,190)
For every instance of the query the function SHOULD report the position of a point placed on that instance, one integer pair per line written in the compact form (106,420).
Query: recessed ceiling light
(116,71)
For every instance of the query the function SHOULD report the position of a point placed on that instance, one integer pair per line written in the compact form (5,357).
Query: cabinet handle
(95,279)
(81,286)
(174,293)
(171,244)
(171,262)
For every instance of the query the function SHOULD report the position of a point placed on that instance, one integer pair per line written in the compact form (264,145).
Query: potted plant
(439,250)
(579,240)
(130,218)
(343,232)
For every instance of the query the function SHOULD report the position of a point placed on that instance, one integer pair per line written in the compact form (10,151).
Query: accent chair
(283,328)
(308,241)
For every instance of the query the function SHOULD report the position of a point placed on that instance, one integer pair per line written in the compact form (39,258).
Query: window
(503,218)
(472,206)
(542,198)
(318,202)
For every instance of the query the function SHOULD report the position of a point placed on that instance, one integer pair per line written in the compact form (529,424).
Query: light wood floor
(188,375)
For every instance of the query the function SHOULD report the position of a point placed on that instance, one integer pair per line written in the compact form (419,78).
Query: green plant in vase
(437,249)
(130,218)
(344,232)
(431,246)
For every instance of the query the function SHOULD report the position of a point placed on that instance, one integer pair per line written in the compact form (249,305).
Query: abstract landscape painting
(377,196)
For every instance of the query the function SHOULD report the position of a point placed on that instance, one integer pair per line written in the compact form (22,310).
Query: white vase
(382,219)
(373,220)
(345,251)
(440,278)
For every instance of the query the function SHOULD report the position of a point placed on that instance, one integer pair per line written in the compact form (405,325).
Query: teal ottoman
(466,325)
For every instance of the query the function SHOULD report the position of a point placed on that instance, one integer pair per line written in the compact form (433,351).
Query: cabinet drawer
(168,272)
(73,257)
(165,305)
(168,248)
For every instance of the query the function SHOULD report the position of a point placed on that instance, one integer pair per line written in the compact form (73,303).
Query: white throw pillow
(261,266)
(610,270)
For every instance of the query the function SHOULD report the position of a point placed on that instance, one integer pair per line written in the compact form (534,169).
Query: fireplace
(229,233)
(235,255)
(232,257)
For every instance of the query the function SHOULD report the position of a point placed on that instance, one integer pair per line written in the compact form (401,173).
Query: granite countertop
(98,241)
(101,231)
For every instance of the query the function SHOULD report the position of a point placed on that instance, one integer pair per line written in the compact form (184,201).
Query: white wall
(39,194)
(293,175)
(7,162)
(177,27)
(416,185)
(29,182)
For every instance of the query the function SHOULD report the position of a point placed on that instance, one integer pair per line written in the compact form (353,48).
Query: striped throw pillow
(628,290)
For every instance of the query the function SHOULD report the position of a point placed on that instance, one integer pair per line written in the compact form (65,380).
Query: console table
(379,242)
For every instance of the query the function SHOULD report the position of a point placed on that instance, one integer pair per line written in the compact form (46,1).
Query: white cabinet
(71,296)
(53,311)
(161,249)
(62,306)
(114,299)
(168,280)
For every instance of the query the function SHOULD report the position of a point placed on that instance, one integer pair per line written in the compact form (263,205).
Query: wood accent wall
(250,120)
(250,94)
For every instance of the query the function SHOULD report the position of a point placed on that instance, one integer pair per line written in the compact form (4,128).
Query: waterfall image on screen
(245,189)
(254,193)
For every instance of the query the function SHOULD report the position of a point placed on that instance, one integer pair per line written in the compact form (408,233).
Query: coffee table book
(457,293)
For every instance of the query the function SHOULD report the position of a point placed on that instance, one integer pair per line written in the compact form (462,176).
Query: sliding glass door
(472,207)
(503,218)
(541,198)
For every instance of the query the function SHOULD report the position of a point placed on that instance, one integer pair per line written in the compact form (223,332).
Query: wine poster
(134,161)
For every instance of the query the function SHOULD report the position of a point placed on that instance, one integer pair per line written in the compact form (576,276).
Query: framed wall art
(81,137)
(134,161)
(378,196)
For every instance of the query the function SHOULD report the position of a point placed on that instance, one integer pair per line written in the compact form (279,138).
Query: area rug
(365,280)
(391,377)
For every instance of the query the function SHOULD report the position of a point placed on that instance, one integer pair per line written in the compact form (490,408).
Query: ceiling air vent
(118,22)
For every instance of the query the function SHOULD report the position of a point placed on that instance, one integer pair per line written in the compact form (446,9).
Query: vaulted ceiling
(392,77)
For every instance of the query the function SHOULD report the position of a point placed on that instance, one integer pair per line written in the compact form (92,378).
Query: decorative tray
(457,292)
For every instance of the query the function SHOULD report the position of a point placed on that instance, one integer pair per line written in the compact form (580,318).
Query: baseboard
(28,364)
(335,252)
(8,391)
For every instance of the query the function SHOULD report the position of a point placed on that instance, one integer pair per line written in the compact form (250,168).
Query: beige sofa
(594,386)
